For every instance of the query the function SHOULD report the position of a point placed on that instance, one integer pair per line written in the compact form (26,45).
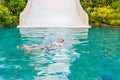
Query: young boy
(57,43)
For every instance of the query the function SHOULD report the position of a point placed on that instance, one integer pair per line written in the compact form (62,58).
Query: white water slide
(54,14)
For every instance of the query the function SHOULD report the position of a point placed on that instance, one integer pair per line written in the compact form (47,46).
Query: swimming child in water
(57,43)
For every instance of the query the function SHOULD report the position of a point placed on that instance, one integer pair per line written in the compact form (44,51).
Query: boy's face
(60,40)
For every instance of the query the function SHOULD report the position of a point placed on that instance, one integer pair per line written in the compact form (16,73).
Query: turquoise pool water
(88,54)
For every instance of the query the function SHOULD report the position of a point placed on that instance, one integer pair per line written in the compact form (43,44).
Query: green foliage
(5,16)
(16,6)
(106,15)
(12,8)
(96,3)
(103,11)
(3,2)
(116,5)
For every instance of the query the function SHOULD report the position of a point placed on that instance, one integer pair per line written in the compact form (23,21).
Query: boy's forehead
(60,39)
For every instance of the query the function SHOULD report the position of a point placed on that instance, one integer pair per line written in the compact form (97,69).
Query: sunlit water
(87,54)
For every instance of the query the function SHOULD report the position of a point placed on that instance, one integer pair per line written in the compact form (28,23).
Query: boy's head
(60,40)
